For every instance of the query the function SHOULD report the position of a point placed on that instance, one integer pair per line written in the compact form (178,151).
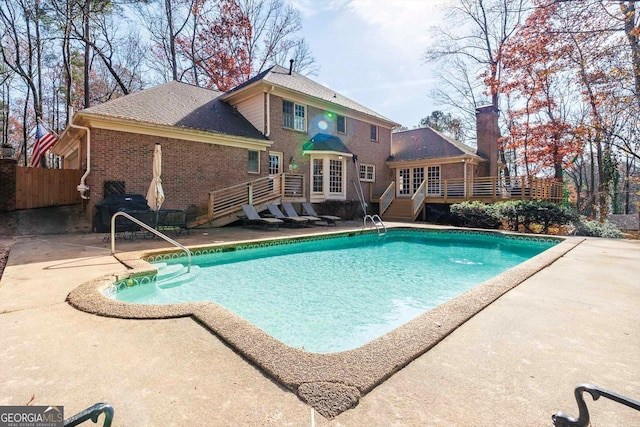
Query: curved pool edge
(330,383)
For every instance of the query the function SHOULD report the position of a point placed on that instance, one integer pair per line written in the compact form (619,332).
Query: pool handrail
(377,222)
(149,229)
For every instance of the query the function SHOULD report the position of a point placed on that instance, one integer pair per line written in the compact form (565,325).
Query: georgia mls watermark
(31,416)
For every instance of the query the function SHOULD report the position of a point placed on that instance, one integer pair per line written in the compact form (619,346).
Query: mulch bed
(8,229)
(4,256)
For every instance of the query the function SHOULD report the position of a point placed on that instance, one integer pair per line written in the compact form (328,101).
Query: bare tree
(273,38)
(165,22)
(468,52)
(21,50)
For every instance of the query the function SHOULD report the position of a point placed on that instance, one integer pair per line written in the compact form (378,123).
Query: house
(430,168)
(278,136)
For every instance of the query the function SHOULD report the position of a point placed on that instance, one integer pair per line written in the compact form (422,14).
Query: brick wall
(8,184)
(357,139)
(190,170)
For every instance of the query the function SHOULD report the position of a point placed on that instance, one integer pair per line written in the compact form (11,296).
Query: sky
(371,51)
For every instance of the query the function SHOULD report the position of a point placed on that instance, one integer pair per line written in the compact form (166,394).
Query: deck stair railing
(228,201)
(387,197)
(417,200)
(149,229)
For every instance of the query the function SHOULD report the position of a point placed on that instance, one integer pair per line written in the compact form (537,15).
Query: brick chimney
(487,133)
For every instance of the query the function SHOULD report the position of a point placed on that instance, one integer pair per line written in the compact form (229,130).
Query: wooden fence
(37,187)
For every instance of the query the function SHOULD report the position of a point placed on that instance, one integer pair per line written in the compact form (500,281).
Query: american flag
(44,141)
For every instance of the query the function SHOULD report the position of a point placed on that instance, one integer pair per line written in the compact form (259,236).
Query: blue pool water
(337,294)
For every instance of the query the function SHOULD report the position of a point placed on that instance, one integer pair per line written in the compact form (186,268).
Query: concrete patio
(515,363)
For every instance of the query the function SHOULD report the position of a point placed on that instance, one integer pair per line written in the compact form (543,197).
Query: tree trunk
(172,40)
(629,13)
(87,54)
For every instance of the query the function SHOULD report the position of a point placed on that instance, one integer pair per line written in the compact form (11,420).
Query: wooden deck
(485,189)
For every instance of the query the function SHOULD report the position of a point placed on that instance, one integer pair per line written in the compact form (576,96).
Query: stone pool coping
(330,383)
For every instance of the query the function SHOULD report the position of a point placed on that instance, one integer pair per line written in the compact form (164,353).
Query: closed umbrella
(155,195)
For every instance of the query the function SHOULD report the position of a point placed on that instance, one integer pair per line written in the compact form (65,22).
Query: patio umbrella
(155,195)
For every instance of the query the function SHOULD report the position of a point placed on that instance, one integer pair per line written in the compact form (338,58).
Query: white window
(335,176)
(294,116)
(299,122)
(341,124)
(374,132)
(367,173)
(318,177)
(254,161)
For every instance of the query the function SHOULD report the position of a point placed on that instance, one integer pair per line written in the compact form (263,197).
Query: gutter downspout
(269,112)
(82,187)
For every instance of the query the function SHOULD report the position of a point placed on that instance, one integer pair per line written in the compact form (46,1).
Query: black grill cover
(113,203)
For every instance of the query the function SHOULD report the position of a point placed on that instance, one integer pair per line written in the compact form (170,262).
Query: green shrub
(585,227)
(533,214)
(475,214)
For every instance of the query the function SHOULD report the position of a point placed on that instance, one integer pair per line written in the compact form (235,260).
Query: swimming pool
(339,292)
(330,382)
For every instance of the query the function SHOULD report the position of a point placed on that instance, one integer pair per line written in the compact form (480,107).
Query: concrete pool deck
(514,363)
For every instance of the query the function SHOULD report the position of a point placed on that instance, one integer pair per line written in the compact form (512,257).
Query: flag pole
(24,150)
(44,125)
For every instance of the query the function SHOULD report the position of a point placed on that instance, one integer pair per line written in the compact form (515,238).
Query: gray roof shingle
(181,105)
(426,143)
(324,142)
(279,76)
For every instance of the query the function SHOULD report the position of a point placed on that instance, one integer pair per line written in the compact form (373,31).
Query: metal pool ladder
(377,223)
(149,229)
(375,219)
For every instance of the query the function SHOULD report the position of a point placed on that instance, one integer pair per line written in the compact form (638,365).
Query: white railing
(387,197)
(418,198)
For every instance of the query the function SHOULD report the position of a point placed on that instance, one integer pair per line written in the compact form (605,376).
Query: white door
(434,187)
(275,169)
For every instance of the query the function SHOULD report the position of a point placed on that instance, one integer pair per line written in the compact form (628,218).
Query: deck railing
(229,200)
(293,186)
(493,189)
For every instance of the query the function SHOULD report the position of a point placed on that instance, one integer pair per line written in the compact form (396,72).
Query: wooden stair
(399,210)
